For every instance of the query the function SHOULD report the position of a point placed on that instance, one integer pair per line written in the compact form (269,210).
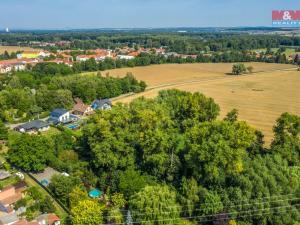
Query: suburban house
(293,57)
(11,218)
(171,54)
(44,219)
(59,116)
(102,104)
(99,55)
(33,126)
(19,66)
(81,109)
(7,66)
(126,57)
(62,61)
(9,196)
(134,54)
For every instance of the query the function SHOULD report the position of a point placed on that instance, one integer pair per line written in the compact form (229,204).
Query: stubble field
(260,97)
(11,49)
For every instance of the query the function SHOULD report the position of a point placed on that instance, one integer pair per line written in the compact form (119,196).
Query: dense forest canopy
(169,160)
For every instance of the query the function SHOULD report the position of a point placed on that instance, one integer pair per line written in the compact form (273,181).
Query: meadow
(260,97)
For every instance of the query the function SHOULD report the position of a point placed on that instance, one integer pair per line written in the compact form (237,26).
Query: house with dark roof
(58,116)
(33,126)
(102,104)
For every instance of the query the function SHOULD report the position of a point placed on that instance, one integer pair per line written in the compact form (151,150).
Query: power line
(204,204)
(252,215)
(199,210)
(279,196)
(206,216)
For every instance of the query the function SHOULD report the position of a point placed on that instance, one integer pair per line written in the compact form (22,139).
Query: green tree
(217,148)
(62,186)
(118,200)
(189,198)
(238,69)
(77,195)
(210,203)
(46,205)
(187,106)
(149,206)
(87,212)
(115,216)
(287,141)
(31,152)
(3,131)
(131,181)
(232,116)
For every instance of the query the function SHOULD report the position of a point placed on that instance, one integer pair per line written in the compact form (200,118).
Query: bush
(238,69)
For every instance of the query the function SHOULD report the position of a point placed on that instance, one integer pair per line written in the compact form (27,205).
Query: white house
(5,68)
(19,66)
(59,116)
(126,57)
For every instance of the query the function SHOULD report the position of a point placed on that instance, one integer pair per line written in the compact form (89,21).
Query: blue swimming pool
(73,126)
(95,193)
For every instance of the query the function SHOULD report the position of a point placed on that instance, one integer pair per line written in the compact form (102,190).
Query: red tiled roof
(80,106)
(25,222)
(135,54)
(52,218)
(12,199)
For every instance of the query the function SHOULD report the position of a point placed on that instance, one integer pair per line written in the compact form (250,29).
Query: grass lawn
(51,132)
(9,181)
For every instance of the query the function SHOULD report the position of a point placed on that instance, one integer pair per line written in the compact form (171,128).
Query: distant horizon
(11,29)
(134,14)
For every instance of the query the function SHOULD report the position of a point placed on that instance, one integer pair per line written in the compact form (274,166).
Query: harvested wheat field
(11,49)
(260,97)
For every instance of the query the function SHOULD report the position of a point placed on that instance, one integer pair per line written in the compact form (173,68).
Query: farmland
(260,97)
(11,49)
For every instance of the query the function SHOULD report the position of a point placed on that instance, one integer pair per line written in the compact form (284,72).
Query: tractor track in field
(195,81)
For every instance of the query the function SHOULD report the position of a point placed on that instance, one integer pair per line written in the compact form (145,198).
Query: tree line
(188,43)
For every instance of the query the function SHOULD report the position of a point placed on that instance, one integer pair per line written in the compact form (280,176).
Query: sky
(66,14)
